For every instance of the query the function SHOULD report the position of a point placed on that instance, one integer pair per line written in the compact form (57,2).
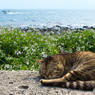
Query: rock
(85,27)
(58,26)
(23,87)
(92,27)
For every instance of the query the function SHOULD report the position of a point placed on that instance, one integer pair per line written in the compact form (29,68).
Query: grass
(19,50)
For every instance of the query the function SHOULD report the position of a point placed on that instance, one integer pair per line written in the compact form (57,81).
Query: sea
(47,17)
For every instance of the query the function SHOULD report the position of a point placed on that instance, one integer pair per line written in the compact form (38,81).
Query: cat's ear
(39,61)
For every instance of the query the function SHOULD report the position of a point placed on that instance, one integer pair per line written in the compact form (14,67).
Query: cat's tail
(81,85)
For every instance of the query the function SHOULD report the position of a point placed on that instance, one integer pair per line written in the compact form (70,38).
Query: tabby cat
(74,70)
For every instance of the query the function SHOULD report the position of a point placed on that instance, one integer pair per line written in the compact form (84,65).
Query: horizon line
(46,9)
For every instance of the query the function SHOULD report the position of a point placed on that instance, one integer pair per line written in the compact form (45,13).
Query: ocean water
(40,18)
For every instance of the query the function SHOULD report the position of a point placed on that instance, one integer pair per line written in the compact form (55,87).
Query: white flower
(61,48)
(25,48)
(7,66)
(53,45)
(44,55)
(62,43)
(23,35)
(80,36)
(41,39)
(27,62)
(78,49)
(36,44)
(18,52)
(9,57)
(14,42)
(33,50)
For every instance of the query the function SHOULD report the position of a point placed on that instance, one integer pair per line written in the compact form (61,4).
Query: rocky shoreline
(56,28)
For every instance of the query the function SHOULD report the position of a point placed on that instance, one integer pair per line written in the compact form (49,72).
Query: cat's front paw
(46,82)
(43,82)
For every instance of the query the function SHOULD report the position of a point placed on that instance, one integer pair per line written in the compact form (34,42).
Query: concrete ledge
(27,83)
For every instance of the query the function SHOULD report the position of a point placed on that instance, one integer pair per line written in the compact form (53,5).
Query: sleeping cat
(74,70)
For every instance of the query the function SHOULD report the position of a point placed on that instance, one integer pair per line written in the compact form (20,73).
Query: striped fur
(80,85)
(75,70)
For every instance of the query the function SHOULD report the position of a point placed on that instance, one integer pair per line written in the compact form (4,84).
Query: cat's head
(51,67)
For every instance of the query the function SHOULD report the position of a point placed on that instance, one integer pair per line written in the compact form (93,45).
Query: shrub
(19,50)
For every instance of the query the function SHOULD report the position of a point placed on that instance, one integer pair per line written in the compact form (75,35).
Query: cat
(69,70)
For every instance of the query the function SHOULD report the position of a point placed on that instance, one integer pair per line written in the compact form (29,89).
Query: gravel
(28,83)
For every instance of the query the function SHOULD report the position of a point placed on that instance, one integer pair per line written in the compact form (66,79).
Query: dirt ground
(28,83)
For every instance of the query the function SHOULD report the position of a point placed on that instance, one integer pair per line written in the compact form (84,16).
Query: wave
(9,12)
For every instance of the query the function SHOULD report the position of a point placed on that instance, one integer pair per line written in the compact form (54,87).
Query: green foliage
(19,50)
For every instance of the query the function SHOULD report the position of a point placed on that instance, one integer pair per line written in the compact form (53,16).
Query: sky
(47,4)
